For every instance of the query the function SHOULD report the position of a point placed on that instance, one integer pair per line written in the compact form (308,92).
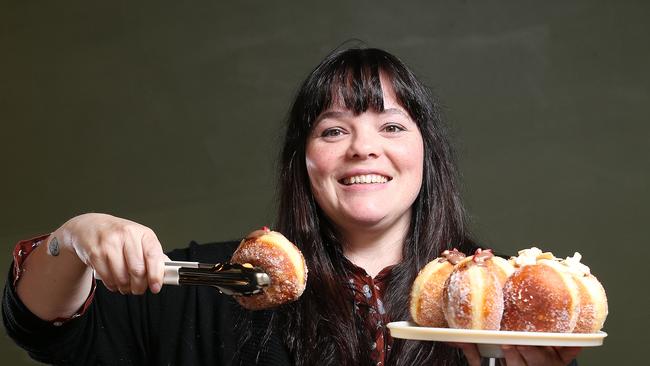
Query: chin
(364,220)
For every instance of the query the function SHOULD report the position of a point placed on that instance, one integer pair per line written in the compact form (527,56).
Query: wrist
(60,244)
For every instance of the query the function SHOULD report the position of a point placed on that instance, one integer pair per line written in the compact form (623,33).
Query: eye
(332,132)
(393,128)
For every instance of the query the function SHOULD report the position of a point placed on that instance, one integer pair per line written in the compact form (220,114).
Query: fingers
(154,260)
(512,356)
(102,271)
(538,355)
(118,268)
(107,260)
(523,355)
(135,266)
(471,353)
(144,260)
(126,256)
(568,354)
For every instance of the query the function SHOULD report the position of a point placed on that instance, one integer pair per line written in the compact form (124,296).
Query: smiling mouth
(365,179)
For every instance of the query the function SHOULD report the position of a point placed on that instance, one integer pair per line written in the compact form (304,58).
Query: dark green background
(170,113)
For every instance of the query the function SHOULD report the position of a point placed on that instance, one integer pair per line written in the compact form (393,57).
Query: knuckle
(122,232)
(151,253)
(110,238)
(104,257)
(149,234)
(130,228)
(96,254)
(136,230)
(137,269)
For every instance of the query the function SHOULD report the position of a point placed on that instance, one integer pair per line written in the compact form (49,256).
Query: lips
(365,179)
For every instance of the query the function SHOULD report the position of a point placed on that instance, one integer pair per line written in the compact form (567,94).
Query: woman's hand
(57,276)
(125,255)
(525,355)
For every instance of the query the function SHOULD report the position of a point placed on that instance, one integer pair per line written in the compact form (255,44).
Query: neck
(376,249)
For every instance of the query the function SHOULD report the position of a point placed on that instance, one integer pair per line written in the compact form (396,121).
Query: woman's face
(366,170)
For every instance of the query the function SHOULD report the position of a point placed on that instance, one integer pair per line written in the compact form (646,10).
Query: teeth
(365,179)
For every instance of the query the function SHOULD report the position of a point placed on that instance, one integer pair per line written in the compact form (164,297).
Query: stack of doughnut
(280,259)
(533,292)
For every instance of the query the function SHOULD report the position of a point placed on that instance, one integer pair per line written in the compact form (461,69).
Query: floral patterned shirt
(368,295)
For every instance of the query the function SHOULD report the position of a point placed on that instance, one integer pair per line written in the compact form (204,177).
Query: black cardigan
(187,325)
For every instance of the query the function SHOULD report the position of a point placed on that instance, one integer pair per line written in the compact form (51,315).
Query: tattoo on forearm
(53,247)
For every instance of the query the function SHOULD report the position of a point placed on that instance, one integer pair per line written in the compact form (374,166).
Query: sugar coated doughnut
(426,293)
(540,296)
(281,260)
(473,296)
(593,300)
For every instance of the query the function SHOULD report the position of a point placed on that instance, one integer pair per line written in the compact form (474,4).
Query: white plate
(488,341)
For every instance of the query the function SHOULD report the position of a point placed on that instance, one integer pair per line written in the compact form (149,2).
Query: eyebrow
(396,111)
(347,113)
(332,114)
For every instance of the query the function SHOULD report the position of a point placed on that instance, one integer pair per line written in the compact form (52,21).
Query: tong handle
(172,276)
(229,278)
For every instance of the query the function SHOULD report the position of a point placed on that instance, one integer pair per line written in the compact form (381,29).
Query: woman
(353,118)
(368,193)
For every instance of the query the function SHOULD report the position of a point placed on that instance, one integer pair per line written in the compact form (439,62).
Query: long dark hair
(321,327)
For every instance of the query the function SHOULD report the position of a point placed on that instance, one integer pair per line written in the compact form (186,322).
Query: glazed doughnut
(281,260)
(540,296)
(473,295)
(593,300)
(426,293)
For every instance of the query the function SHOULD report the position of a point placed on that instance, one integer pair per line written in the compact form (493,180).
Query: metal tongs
(229,278)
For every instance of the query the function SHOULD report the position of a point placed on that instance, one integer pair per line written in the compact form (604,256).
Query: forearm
(54,286)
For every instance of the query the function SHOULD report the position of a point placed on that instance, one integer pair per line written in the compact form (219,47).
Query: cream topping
(531,256)
(574,264)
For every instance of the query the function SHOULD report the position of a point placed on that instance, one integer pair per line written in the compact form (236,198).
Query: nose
(364,144)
